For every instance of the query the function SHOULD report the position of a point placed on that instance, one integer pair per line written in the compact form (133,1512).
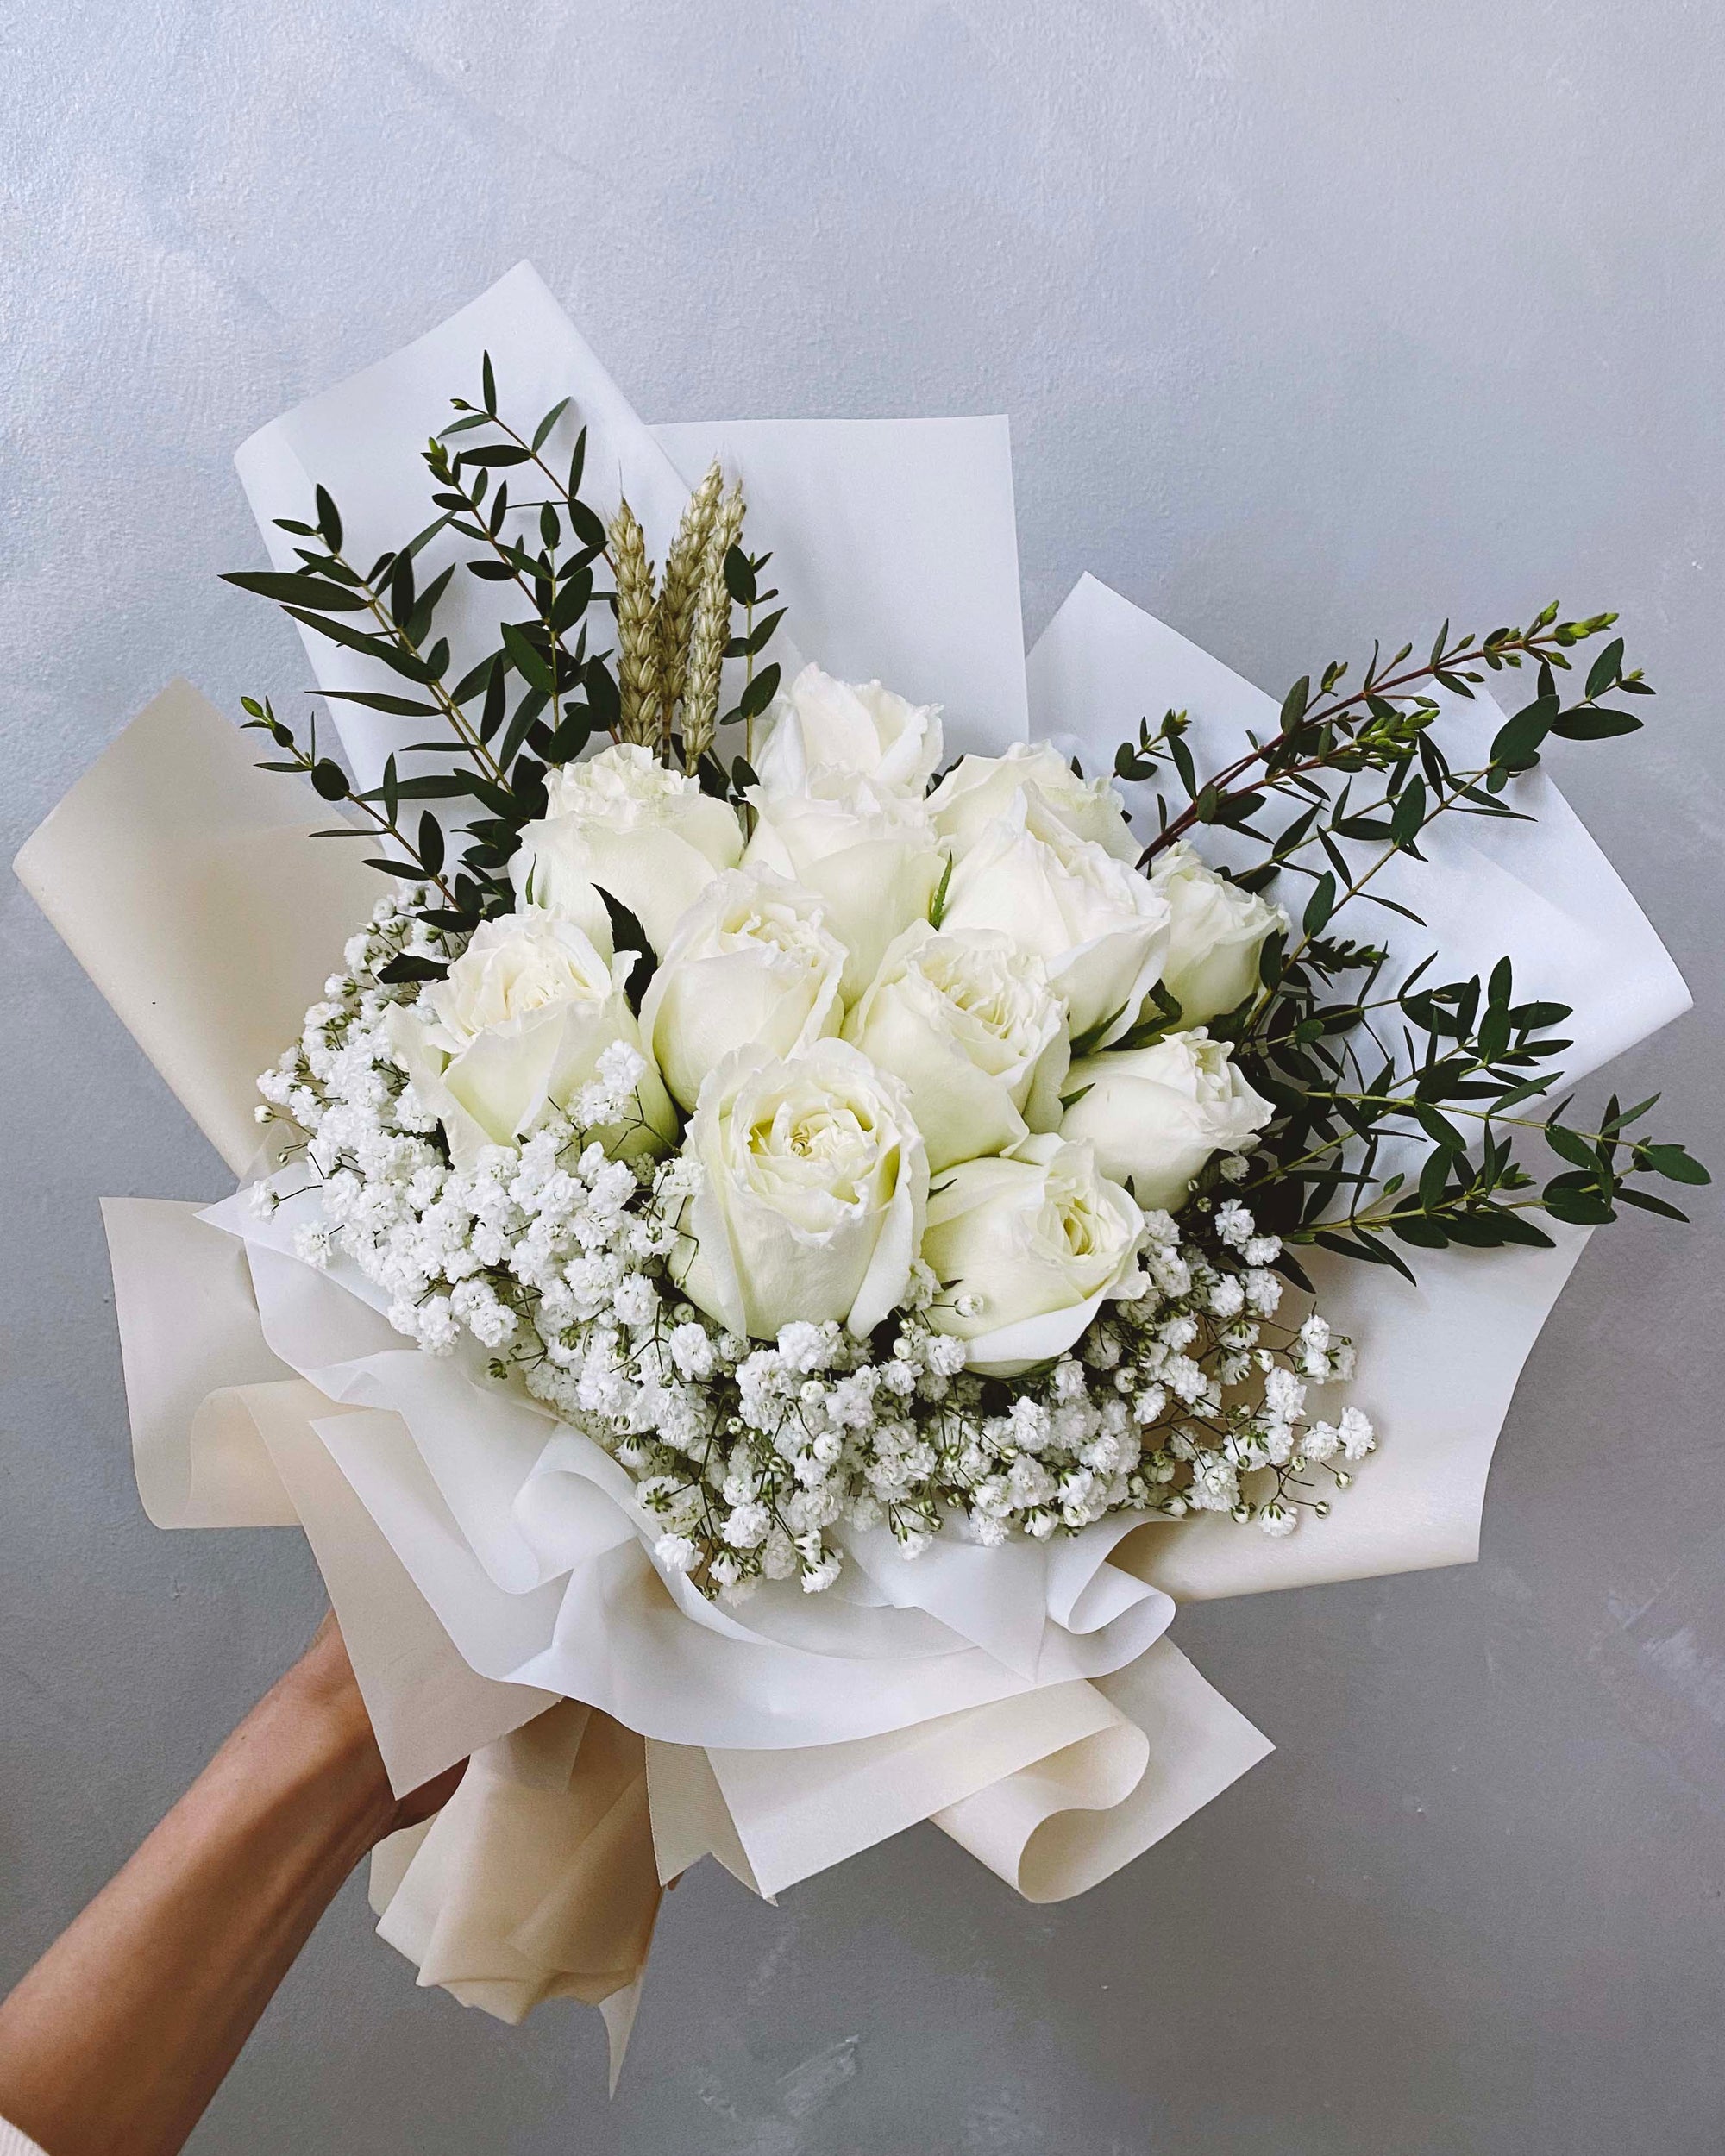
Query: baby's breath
(755,1457)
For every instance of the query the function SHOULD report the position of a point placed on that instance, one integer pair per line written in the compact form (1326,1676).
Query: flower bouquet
(838,1174)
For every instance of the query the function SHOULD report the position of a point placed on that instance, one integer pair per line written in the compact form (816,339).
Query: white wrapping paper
(894,549)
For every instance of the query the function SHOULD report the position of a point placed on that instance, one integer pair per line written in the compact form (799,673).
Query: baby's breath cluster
(1188,1394)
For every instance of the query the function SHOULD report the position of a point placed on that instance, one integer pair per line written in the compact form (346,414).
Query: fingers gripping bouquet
(800,1183)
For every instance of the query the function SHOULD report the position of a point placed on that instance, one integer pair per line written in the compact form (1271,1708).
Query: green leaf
(329,521)
(340,632)
(1579,1208)
(1409,812)
(1321,905)
(602,698)
(759,693)
(1568,1145)
(495,455)
(1294,703)
(288,588)
(472,682)
(532,665)
(1517,743)
(577,465)
(541,432)
(376,700)
(757,638)
(1595,725)
(1605,668)
(488,384)
(497,691)
(1648,1203)
(1672,1162)
(739,576)
(404,968)
(442,785)
(1439,1128)
(937,905)
(431,844)
(627,934)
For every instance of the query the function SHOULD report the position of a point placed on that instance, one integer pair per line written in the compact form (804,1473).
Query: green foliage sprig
(1400,1108)
(541,695)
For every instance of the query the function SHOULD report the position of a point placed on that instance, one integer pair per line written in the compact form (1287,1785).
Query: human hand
(322,1687)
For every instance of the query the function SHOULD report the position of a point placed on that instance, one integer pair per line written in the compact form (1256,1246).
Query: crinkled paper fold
(494,1580)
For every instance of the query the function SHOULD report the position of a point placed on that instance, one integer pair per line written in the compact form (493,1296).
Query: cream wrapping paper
(1054,1776)
(536,1880)
(183,880)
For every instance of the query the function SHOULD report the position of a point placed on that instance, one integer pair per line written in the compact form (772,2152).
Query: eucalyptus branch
(1359,728)
(330,783)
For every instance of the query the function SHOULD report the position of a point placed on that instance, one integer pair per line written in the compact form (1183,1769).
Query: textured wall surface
(1314,319)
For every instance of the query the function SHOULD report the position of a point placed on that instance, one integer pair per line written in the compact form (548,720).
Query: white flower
(646,834)
(675,1553)
(518,1026)
(978,789)
(814,1186)
(1155,1115)
(751,961)
(820,724)
(1036,1243)
(969,1023)
(871,856)
(1099,925)
(1218,930)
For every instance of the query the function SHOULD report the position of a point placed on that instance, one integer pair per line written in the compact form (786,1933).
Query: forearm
(121,2033)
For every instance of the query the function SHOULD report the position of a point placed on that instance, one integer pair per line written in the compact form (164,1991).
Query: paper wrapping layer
(536,1880)
(183,881)
(1054,1792)
(895,552)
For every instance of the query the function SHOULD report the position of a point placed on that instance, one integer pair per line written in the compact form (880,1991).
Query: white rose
(978,789)
(1155,1115)
(750,960)
(871,857)
(1218,930)
(813,1187)
(517,1027)
(1100,926)
(818,723)
(1035,1242)
(622,820)
(969,1023)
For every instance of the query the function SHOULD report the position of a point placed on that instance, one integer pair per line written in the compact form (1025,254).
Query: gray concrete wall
(1316,319)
